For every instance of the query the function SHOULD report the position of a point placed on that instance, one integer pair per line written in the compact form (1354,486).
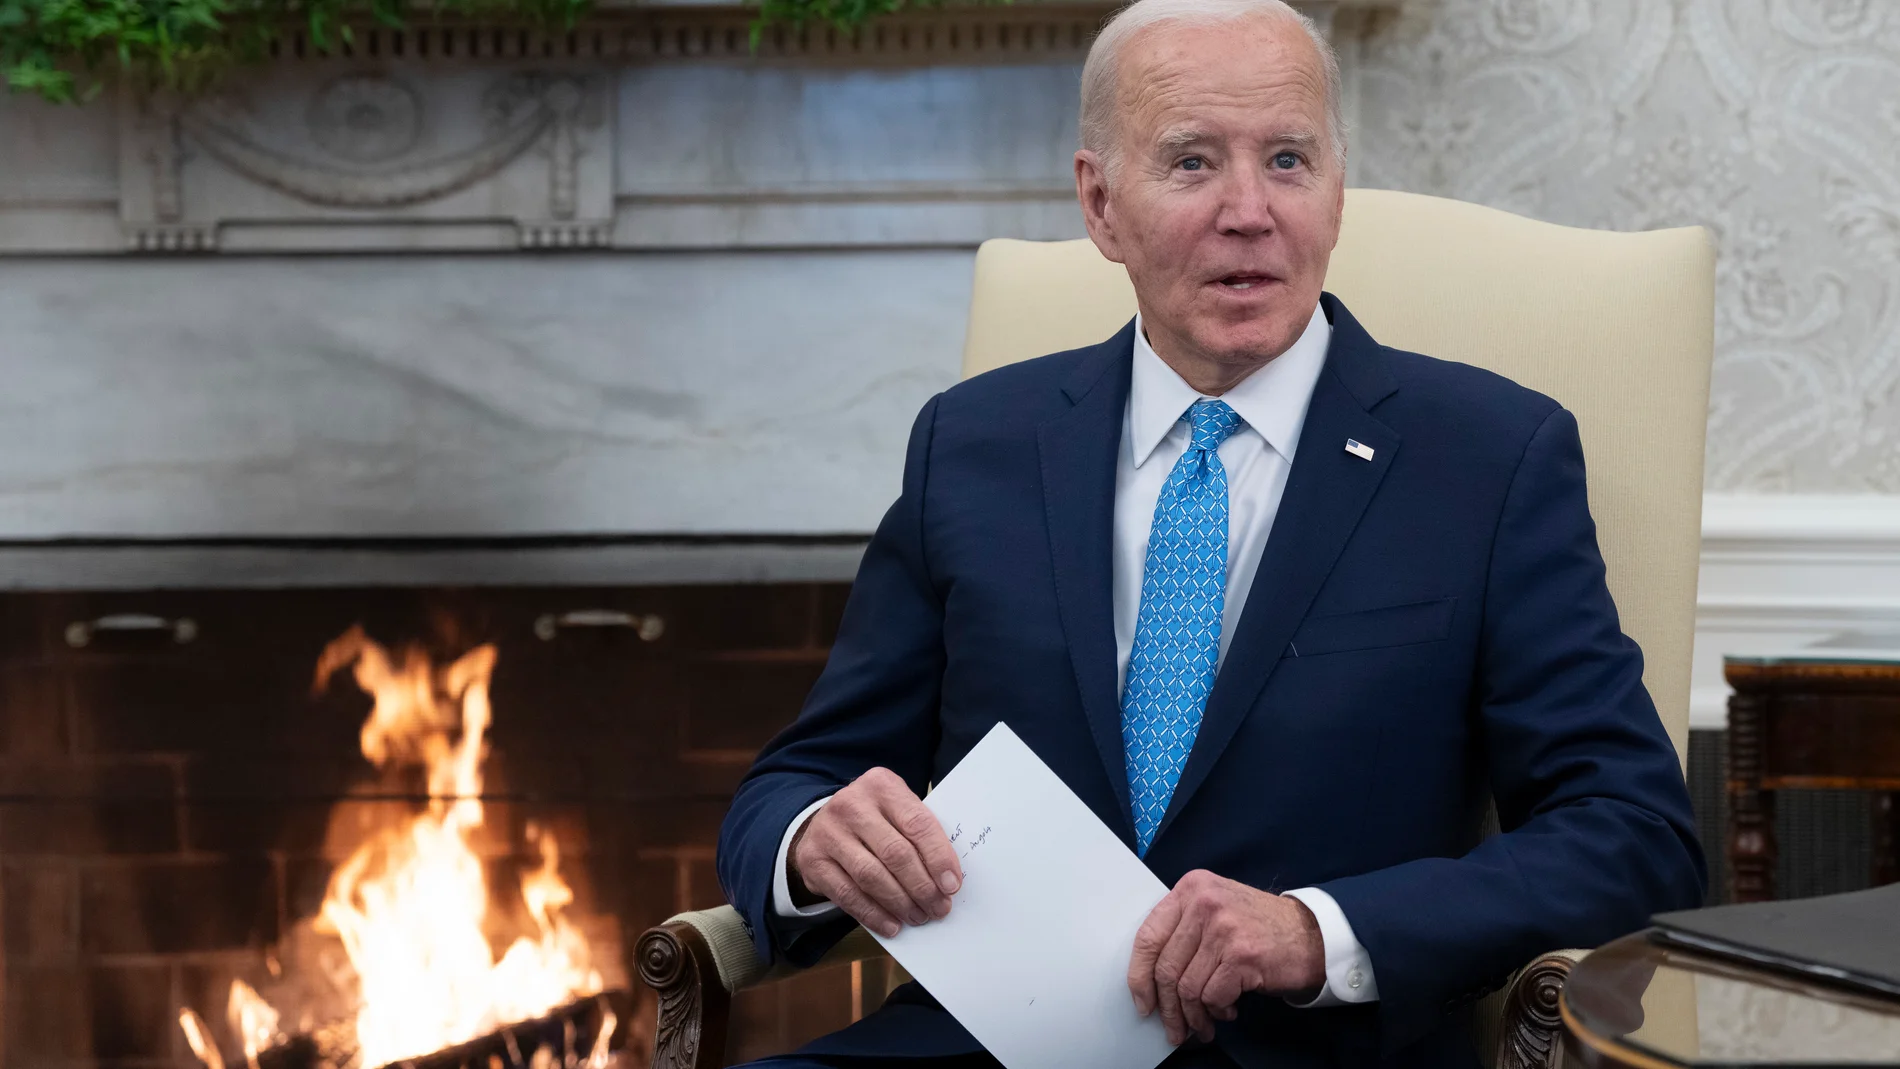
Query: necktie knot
(1211,422)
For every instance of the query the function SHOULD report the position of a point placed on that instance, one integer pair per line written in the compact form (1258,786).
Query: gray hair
(1099,72)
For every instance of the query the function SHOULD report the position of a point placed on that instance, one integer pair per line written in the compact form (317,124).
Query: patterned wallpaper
(1776,123)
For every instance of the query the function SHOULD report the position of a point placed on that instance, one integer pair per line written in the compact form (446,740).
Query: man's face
(1226,201)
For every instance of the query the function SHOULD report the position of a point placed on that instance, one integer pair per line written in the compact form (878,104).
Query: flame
(411,905)
(199,1037)
(604,1039)
(253,1020)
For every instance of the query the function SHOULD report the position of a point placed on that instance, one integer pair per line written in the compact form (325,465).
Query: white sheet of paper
(1033,958)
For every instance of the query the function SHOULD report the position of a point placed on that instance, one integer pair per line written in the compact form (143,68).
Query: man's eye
(1192,163)
(1286,161)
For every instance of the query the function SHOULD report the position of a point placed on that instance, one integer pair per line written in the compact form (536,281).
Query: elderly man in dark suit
(1286,608)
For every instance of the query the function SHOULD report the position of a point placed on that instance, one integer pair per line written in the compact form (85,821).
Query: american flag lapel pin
(1363,452)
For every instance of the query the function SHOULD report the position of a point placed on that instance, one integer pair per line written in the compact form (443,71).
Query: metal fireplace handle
(649,626)
(80,632)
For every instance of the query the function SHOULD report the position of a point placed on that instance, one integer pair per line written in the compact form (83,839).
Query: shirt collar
(1272,400)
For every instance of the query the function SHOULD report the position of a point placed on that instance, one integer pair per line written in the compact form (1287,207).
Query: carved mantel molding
(370,153)
(647,126)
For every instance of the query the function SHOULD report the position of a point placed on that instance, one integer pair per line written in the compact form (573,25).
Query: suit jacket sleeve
(875,705)
(1598,832)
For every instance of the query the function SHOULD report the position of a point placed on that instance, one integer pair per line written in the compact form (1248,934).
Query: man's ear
(1339,214)
(1091,190)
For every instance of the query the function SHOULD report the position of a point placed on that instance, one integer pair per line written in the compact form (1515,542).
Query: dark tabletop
(1637,1004)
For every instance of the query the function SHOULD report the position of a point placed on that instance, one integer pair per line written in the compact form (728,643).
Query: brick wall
(169,810)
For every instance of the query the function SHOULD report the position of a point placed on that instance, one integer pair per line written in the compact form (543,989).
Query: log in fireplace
(176,799)
(578,1035)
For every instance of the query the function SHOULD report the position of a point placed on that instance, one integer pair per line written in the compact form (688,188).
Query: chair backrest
(1619,328)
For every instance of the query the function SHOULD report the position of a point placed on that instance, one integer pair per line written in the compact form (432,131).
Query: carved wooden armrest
(677,963)
(1529,1030)
(695,962)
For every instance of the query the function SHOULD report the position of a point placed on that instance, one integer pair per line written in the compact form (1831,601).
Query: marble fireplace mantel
(650,126)
(664,307)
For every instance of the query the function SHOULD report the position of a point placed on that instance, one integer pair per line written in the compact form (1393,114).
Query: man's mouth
(1244,282)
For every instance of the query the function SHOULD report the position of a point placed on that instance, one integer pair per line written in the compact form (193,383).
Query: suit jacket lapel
(1078,453)
(1326,493)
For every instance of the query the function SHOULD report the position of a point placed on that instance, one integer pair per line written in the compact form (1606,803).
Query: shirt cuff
(781,882)
(1348,967)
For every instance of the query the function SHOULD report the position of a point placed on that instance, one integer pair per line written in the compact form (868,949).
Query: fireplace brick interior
(164,806)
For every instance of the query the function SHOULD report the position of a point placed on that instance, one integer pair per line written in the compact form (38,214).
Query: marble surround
(361,396)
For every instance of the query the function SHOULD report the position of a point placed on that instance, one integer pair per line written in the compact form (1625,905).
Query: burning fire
(411,906)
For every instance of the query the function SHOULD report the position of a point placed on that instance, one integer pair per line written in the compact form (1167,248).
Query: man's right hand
(876,852)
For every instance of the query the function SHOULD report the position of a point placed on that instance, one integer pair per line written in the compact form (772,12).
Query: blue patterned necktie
(1177,631)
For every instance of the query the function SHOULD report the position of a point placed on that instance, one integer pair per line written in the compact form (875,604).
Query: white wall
(1773,123)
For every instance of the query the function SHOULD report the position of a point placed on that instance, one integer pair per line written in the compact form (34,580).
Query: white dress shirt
(1257,456)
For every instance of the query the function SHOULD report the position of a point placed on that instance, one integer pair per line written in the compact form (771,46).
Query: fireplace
(176,797)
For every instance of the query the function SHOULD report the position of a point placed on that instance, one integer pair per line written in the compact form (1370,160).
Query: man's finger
(1152,936)
(1168,1002)
(1222,990)
(901,860)
(1170,965)
(828,878)
(1195,1004)
(918,824)
(872,878)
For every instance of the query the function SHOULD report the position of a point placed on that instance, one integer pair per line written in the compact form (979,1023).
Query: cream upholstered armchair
(1617,327)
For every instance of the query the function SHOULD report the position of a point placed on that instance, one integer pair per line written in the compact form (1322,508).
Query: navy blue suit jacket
(1427,630)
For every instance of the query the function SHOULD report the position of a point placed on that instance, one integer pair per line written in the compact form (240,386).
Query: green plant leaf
(46,46)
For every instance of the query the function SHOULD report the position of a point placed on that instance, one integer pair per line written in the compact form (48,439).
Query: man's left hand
(1210,940)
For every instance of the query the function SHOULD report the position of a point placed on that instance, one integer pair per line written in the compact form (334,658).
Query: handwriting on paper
(964,851)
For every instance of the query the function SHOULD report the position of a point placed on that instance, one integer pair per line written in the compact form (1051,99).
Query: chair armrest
(695,962)
(1519,1026)
(678,963)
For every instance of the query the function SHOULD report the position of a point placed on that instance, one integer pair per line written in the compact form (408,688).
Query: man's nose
(1247,208)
